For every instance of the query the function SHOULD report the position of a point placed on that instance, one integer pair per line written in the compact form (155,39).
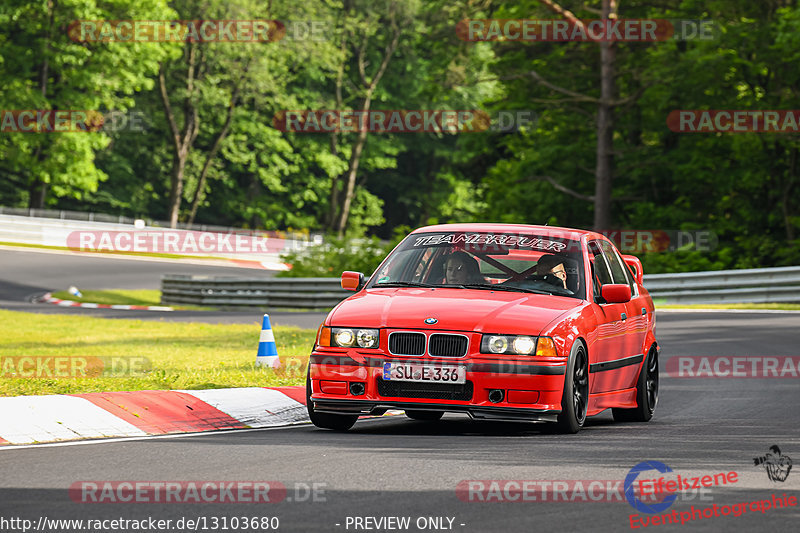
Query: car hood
(455,309)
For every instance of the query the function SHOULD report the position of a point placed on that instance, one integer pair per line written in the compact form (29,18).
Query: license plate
(424,373)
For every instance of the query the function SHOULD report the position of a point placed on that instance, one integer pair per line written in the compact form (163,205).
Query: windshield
(485,261)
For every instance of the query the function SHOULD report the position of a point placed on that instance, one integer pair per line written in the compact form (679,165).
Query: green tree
(42,68)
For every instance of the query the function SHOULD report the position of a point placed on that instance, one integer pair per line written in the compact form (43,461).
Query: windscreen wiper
(511,288)
(405,284)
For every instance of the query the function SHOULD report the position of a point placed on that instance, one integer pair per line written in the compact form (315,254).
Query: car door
(621,371)
(637,321)
(608,347)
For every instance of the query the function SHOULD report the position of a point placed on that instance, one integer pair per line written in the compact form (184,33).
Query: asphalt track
(27,274)
(396,467)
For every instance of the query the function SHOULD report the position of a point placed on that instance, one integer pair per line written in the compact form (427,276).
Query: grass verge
(115,296)
(124,297)
(177,355)
(777,306)
(113,252)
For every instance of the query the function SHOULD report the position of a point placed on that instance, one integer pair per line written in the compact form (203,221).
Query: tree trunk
(182,140)
(333,202)
(38,187)
(605,128)
(352,170)
(604,162)
(786,196)
(37,194)
(201,185)
(369,85)
(176,187)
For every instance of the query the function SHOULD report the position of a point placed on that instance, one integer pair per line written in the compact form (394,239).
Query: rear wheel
(646,393)
(428,416)
(326,420)
(575,398)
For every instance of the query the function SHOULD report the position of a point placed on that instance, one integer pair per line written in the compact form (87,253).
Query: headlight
(516,344)
(497,344)
(367,338)
(344,337)
(524,345)
(349,337)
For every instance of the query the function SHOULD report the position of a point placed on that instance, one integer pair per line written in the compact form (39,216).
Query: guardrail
(757,285)
(753,285)
(216,291)
(55,232)
(103,218)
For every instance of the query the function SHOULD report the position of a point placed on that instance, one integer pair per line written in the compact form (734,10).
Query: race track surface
(27,274)
(396,467)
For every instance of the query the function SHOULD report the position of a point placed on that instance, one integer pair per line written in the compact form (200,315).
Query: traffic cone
(267,350)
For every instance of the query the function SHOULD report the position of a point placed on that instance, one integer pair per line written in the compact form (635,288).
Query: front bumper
(367,407)
(532,389)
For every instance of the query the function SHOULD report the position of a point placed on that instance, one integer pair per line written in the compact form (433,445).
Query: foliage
(336,255)
(741,186)
(43,69)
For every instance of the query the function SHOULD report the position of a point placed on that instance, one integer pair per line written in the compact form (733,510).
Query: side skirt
(599,402)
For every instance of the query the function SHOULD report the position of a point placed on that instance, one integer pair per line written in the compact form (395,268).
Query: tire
(428,416)
(326,420)
(646,393)
(575,398)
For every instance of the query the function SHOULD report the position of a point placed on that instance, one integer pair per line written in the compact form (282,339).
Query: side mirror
(352,281)
(635,265)
(616,293)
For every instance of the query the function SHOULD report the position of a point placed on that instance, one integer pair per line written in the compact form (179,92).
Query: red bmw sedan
(497,321)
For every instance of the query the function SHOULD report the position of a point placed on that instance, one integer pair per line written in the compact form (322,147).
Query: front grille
(433,391)
(442,345)
(403,343)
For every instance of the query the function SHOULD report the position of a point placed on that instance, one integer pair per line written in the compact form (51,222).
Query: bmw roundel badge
(431,321)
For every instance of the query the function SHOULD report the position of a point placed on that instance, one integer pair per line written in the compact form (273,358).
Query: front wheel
(575,398)
(327,420)
(646,393)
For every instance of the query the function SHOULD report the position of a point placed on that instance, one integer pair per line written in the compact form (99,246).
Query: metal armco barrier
(757,285)
(753,285)
(216,291)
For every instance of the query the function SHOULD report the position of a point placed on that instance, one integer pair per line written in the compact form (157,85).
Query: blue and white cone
(267,350)
(73,290)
